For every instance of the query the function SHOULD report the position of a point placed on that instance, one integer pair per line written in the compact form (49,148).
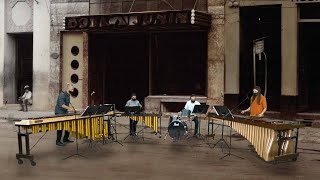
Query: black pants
(59,135)
(196,125)
(133,126)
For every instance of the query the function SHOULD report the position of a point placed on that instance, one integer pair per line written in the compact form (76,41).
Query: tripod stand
(131,111)
(225,112)
(228,114)
(77,144)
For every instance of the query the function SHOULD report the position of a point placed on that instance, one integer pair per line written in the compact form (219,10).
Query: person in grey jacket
(131,103)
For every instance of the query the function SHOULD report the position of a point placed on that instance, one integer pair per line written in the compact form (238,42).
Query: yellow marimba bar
(264,136)
(93,128)
(150,120)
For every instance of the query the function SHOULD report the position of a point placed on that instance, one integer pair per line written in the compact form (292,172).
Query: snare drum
(177,129)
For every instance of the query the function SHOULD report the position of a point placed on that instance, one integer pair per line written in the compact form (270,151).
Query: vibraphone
(91,127)
(272,140)
(151,120)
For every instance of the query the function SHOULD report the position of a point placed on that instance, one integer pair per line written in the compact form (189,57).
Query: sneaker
(68,141)
(58,143)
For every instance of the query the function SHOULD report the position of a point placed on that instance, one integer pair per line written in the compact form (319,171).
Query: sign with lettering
(144,20)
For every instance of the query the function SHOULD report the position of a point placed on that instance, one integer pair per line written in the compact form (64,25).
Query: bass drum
(177,129)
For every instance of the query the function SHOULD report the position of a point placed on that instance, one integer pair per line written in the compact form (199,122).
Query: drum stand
(77,144)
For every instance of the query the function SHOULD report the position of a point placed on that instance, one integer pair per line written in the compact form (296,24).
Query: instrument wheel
(20,161)
(33,163)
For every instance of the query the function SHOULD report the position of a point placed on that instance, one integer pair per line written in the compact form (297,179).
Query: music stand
(130,111)
(105,109)
(77,134)
(200,109)
(225,113)
(89,111)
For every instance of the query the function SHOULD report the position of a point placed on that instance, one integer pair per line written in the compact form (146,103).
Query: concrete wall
(41,53)
(9,90)
(2,34)
(216,61)
(289,46)
(232,53)
(19,16)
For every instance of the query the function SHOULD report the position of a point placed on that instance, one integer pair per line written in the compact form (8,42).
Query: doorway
(309,63)
(24,62)
(261,22)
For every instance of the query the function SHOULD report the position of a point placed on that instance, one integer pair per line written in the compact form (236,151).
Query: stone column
(2,34)
(232,55)
(216,52)
(289,61)
(41,55)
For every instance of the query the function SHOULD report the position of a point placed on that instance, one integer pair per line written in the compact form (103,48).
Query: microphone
(93,93)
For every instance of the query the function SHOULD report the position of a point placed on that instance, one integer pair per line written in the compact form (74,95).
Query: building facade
(166,61)
(38,27)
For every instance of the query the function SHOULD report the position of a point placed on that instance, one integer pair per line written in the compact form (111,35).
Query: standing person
(258,104)
(62,108)
(190,106)
(131,103)
(25,99)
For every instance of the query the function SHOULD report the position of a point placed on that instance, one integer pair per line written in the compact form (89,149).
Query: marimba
(151,120)
(272,140)
(91,127)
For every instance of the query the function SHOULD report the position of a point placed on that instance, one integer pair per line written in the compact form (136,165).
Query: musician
(190,106)
(131,103)
(62,108)
(258,104)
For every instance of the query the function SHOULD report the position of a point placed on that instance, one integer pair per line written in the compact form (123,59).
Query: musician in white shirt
(190,106)
(25,98)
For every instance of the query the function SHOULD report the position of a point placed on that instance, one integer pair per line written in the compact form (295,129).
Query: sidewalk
(18,115)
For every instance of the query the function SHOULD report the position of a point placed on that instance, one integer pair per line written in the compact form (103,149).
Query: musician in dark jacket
(62,108)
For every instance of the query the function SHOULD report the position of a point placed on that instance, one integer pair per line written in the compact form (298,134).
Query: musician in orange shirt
(258,104)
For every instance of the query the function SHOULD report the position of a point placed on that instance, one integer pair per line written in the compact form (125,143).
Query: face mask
(133,99)
(193,101)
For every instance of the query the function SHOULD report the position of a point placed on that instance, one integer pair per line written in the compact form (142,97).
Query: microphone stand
(77,144)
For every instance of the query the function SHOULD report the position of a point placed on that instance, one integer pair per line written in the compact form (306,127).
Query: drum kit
(178,125)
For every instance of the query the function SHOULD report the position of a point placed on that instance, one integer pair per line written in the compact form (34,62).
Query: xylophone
(91,127)
(272,140)
(151,120)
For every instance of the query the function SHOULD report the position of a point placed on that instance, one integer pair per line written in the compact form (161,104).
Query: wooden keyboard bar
(272,141)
